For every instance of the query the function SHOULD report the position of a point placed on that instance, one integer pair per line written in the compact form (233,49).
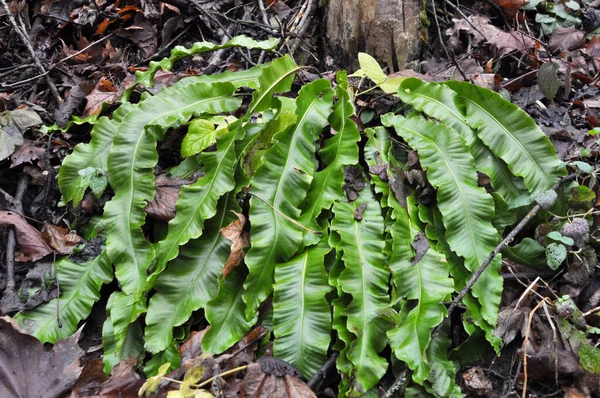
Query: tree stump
(388,30)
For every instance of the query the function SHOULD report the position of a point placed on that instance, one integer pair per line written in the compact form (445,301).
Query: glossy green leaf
(280,184)
(466,208)
(511,135)
(131,164)
(365,279)
(146,77)
(440,102)
(527,252)
(338,151)
(301,315)
(80,285)
(427,282)
(132,345)
(226,314)
(190,280)
(91,155)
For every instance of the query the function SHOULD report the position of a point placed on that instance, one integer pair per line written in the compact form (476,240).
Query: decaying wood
(389,30)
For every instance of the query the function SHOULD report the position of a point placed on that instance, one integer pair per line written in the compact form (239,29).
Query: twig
(554,339)
(263,12)
(525,343)
(322,372)
(452,57)
(302,26)
(398,384)
(45,74)
(501,245)
(27,44)
(296,223)
(11,242)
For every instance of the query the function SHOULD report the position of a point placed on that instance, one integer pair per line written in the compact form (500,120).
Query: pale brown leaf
(239,239)
(32,246)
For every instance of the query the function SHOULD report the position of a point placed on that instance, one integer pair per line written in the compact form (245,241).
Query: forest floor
(63,63)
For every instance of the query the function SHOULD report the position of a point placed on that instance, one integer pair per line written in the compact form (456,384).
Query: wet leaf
(565,39)
(27,369)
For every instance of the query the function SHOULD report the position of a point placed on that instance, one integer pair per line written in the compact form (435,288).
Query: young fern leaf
(428,283)
(80,285)
(197,202)
(190,280)
(93,154)
(440,102)
(147,77)
(443,371)
(226,314)
(365,279)
(340,320)
(123,310)
(338,151)
(466,208)
(301,314)
(511,135)
(277,78)
(131,164)
(132,345)
(282,181)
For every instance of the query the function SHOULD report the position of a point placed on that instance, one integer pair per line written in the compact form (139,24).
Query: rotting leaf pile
(351,258)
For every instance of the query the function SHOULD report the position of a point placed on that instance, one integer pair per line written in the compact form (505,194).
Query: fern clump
(337,246)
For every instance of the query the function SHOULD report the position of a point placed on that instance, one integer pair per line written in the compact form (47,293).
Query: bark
(389,30)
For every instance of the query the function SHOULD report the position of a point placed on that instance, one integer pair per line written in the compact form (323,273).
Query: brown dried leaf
(505,42)
(29,239)
(104,91)
(60,239)
(27,369)
(27,153)
(261,382)
(162,206)
(124,380)
(239,239)
(565,39)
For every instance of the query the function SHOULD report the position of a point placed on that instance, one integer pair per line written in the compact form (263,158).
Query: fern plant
(351,258)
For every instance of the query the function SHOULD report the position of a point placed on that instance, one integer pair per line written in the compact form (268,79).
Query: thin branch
(45,73)
(322,372)
(22,34)
(501,245)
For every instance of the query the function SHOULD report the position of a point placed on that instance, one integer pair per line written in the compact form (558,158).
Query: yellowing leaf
(371,68)
(152,383)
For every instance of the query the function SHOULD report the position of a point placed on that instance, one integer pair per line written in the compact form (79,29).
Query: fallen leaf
(123,382)
(104,91)
(12,126)
(27,369)
(271,377)
(505,42)
(239,239)
(565,39)
(32,246)
(60,239)
(162,206)
(28,152)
